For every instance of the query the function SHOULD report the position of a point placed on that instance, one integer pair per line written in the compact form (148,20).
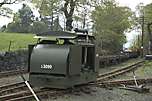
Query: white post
(32,91)
(136,81)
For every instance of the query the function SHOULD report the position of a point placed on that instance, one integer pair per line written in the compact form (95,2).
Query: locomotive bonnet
(62,59)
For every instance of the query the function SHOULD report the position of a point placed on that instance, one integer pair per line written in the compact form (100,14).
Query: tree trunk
(69,24)
(69,14)
(150,35)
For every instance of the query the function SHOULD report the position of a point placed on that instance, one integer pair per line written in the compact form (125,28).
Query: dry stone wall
(13,60)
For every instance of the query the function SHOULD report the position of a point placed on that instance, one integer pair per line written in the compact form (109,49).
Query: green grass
(146,70)
(19,41)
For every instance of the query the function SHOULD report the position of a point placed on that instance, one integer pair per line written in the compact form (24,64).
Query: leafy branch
(7,2)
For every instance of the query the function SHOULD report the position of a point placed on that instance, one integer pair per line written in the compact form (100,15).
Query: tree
(26,18)
(65,7)
(5,11)
(145,18)
(48,21)
(110,23)
(71,5)
(47,6)
(3,28)
(68,9)
(56,26)
(39,26)
(22,21)
(4,2)
(136,43)
(148,27)
(47,9)
(83,11)
(13,27)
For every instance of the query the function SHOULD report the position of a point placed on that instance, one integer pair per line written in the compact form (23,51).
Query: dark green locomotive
(63,59)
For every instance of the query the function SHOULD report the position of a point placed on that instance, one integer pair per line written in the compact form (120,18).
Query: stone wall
(13,60)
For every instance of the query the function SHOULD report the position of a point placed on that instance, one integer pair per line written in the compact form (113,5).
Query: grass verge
(18,41)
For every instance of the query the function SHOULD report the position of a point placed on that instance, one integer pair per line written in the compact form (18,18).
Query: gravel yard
(113,94)
(12,79)
(118,66)
(144,71)
(101,94)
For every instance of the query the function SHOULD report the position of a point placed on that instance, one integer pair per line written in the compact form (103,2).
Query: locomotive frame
(64,64)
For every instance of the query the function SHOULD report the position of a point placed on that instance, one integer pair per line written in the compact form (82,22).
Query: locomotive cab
(62,60)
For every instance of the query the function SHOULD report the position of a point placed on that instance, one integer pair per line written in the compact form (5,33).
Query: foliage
(148,19)
(65,7)
(110,23)
(136,44)
(3,28)
(48,10)
(4,2)
(56,26)
(39,26)
(146,12)
(22,21)
(145,71)
(13,27)
(70,6)
(19,41)
(26,18)
(46,7)
(5,11)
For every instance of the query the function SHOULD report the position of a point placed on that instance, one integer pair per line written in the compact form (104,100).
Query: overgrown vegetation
(145,17)
(107,20)
(5,11)
(19,41)
(110,23)
(146,70)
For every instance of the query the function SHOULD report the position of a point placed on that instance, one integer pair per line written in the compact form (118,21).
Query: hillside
(19,41)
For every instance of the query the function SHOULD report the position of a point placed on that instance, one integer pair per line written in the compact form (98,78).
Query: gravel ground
(144,71)
(12,79)
(113,94)
(97,94)
(101,94)
(124,64)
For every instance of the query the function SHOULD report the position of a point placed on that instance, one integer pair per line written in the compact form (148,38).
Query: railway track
(125,82)
(19,91)
(12,73)
(12,88)
(17,72)
(114,73)
(44,93)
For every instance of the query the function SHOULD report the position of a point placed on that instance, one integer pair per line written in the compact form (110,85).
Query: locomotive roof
(62,35)
(57,34)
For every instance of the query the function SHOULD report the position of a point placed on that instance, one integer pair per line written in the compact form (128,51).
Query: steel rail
(12,73)
(103,77)
(19,96)
(26,95)
(125,82)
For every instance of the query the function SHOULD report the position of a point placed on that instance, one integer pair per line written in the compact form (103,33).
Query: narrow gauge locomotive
(62,59)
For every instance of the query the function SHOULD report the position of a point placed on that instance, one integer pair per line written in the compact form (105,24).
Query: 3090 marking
(46,66)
